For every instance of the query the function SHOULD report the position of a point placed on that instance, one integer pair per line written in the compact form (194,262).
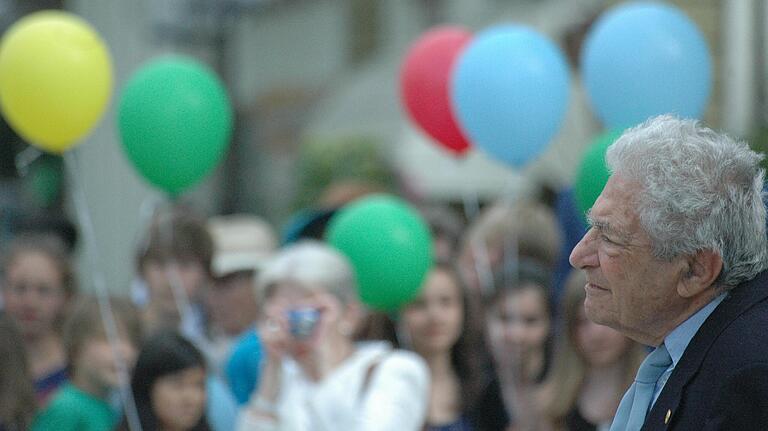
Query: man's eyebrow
(605,227)
(591,222)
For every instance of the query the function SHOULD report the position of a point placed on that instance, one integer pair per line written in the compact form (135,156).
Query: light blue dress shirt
(677,340)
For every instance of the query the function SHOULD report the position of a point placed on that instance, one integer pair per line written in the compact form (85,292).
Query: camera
(302,322)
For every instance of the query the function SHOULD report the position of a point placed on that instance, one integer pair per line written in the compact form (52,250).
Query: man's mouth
(595,287)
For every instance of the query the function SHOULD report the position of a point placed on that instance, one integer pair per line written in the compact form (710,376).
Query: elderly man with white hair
(676,259)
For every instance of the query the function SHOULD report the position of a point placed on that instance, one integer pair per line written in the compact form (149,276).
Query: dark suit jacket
(721,381)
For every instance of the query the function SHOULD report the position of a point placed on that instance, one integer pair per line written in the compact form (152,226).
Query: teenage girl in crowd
(593,367)
(441,326)
(37,288)
(519,325)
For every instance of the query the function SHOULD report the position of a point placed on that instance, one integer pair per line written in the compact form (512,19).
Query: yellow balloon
(55,79)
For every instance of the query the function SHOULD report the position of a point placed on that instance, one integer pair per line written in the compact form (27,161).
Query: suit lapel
(738,301)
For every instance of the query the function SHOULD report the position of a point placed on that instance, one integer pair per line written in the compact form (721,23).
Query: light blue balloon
(646,59)
(510,91)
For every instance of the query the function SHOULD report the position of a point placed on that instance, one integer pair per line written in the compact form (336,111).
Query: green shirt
(71,409)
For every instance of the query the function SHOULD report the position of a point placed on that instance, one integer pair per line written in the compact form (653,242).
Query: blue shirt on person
(243,367)
(677,340)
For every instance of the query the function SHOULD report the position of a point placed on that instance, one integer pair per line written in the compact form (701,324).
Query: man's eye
(606,239)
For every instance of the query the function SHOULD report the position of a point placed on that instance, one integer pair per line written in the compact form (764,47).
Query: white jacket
(395,398)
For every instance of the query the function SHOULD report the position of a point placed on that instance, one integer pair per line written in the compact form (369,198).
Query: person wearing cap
(242,243)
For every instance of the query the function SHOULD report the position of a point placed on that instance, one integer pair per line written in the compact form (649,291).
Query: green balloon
(390,248)
(593,173)
(175,122)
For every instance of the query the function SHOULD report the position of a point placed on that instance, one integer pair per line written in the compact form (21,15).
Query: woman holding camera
(315,377)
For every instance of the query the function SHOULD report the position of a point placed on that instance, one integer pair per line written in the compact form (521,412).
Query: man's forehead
(614,206)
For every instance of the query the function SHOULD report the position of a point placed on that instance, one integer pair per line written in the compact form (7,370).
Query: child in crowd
(38,285)
(17,397)
(83,403)
(169,386)
(174,262)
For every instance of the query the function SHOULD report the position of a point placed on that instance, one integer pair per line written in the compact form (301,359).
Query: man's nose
(584,254)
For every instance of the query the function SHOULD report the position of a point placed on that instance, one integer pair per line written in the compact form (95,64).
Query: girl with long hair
(593,367)
(442,326)
(518,314)
(38,286)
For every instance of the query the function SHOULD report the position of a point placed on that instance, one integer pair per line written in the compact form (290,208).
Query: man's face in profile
(627,287)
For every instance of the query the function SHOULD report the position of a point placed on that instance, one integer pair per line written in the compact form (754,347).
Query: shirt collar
(677,340)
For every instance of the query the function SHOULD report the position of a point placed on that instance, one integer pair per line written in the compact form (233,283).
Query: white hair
(700,190)
(312,265)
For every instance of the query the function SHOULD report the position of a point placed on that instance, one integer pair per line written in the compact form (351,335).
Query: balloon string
(511,258)
(171,267)
(161,211)
(102,294)
(511,240)
(152,210)
(478,246)
(25,158)
(180,297)
(511,192)
(148,211)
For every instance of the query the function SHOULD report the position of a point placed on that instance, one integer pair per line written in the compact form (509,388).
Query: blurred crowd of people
(231,326)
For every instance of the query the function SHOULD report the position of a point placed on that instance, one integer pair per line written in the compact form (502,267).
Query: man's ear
(703,268)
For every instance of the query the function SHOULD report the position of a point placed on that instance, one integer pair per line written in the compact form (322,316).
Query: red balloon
(424,84)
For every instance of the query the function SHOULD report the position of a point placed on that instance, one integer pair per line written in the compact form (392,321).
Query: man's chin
(597,315)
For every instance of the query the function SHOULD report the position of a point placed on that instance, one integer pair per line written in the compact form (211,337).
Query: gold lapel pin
(666,418)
